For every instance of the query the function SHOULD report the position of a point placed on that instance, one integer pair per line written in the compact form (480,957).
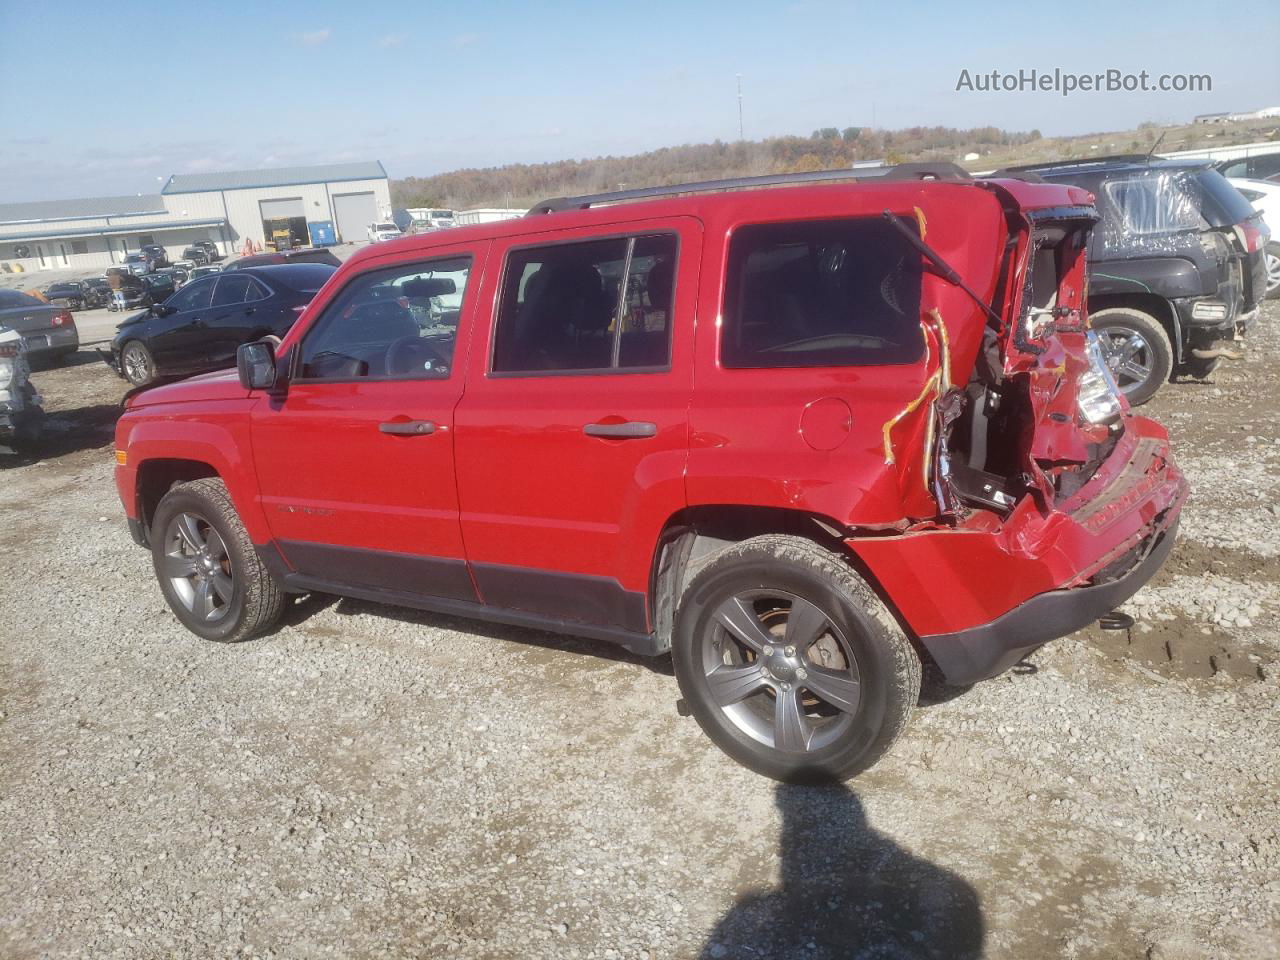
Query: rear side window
(821,293)
(232,288)
(1154,203)
(596,306)
(400,323)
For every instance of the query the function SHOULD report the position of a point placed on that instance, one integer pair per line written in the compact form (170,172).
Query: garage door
(279,209)
(354,211)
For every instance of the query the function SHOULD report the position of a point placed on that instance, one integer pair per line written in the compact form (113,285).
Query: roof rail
(1086,161)
(1014,173)
(903,171)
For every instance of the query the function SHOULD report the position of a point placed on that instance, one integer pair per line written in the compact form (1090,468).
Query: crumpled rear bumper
(982,595)
(968,656)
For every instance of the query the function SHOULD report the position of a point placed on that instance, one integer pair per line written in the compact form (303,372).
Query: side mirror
(256,364)
(162,310)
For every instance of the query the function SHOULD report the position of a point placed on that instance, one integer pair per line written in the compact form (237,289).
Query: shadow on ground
(66,432)
(848,891)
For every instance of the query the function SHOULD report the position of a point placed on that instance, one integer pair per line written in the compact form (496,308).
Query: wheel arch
(1152,304)
(158,475)
(694,535)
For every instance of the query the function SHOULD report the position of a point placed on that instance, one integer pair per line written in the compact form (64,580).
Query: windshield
(387,228)
(442,214)
(134,258)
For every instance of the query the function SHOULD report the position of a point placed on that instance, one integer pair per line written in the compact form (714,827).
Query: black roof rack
(902,171)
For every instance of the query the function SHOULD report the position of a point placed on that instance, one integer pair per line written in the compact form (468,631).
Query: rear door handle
(410,428)
(627,430)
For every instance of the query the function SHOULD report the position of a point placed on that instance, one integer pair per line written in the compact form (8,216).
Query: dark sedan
(201,326)
(73,294)
(160,286)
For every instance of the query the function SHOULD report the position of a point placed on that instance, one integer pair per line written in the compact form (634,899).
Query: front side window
(194,296)
(400,322)
(821,293)
(598,305)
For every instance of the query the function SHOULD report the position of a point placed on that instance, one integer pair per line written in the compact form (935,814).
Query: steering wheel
(412,354)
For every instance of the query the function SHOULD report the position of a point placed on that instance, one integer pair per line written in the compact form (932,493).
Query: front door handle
(407,428)
(626,430)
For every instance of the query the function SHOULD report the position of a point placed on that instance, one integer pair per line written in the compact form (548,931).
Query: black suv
(155,255)
(1176,266)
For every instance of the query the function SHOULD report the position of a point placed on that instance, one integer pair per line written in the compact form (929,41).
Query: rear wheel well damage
(694,536)
(157,477)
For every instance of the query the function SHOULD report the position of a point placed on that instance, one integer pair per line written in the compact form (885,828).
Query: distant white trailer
(487,215)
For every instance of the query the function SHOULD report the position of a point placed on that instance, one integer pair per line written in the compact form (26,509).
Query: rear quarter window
(821,293)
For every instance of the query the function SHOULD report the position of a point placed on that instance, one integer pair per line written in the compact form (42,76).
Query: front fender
(219,439)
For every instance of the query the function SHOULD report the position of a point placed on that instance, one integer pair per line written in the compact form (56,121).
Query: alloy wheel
(198,567)
(1273,272)
(137,366)
(1128,356)
(781,671)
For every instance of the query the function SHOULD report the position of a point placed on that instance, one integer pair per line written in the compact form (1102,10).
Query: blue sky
(105,98)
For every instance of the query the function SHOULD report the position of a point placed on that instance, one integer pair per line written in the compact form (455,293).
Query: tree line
(523,184)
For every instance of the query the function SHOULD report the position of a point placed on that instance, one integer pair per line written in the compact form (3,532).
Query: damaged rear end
(1052,503)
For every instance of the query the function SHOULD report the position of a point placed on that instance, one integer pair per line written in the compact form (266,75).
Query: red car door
(572,436)
(355,460)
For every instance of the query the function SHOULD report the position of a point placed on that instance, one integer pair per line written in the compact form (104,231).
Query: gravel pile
(373,782)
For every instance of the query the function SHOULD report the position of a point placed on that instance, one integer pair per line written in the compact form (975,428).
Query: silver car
(48,331)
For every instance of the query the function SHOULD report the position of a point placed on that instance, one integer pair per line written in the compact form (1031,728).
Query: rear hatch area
(1045,483)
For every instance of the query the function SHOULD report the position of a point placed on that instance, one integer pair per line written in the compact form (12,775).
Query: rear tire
(1136,349)
(790,663)
(206,565)
(1272,259)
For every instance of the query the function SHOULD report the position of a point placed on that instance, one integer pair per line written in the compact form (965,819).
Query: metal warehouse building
(316,204)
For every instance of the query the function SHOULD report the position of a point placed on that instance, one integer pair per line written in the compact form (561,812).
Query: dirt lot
(374,782)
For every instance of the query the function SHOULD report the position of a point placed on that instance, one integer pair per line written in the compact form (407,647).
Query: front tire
(1136,348)
(137,364)
(790,663)
(208,570)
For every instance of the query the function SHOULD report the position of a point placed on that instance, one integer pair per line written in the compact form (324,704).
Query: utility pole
(740,135)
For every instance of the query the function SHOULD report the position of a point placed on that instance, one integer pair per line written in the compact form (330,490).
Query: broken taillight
(1254,237)
(1098,397)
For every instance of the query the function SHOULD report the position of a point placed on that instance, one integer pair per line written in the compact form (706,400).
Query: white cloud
(392,40)
(313,38)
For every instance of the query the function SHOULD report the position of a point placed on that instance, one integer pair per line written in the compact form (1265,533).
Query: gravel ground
(374,782)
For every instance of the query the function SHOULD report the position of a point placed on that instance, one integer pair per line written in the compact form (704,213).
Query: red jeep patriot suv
(804,435)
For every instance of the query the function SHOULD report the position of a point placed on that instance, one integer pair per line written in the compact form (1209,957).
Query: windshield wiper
(945,270)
